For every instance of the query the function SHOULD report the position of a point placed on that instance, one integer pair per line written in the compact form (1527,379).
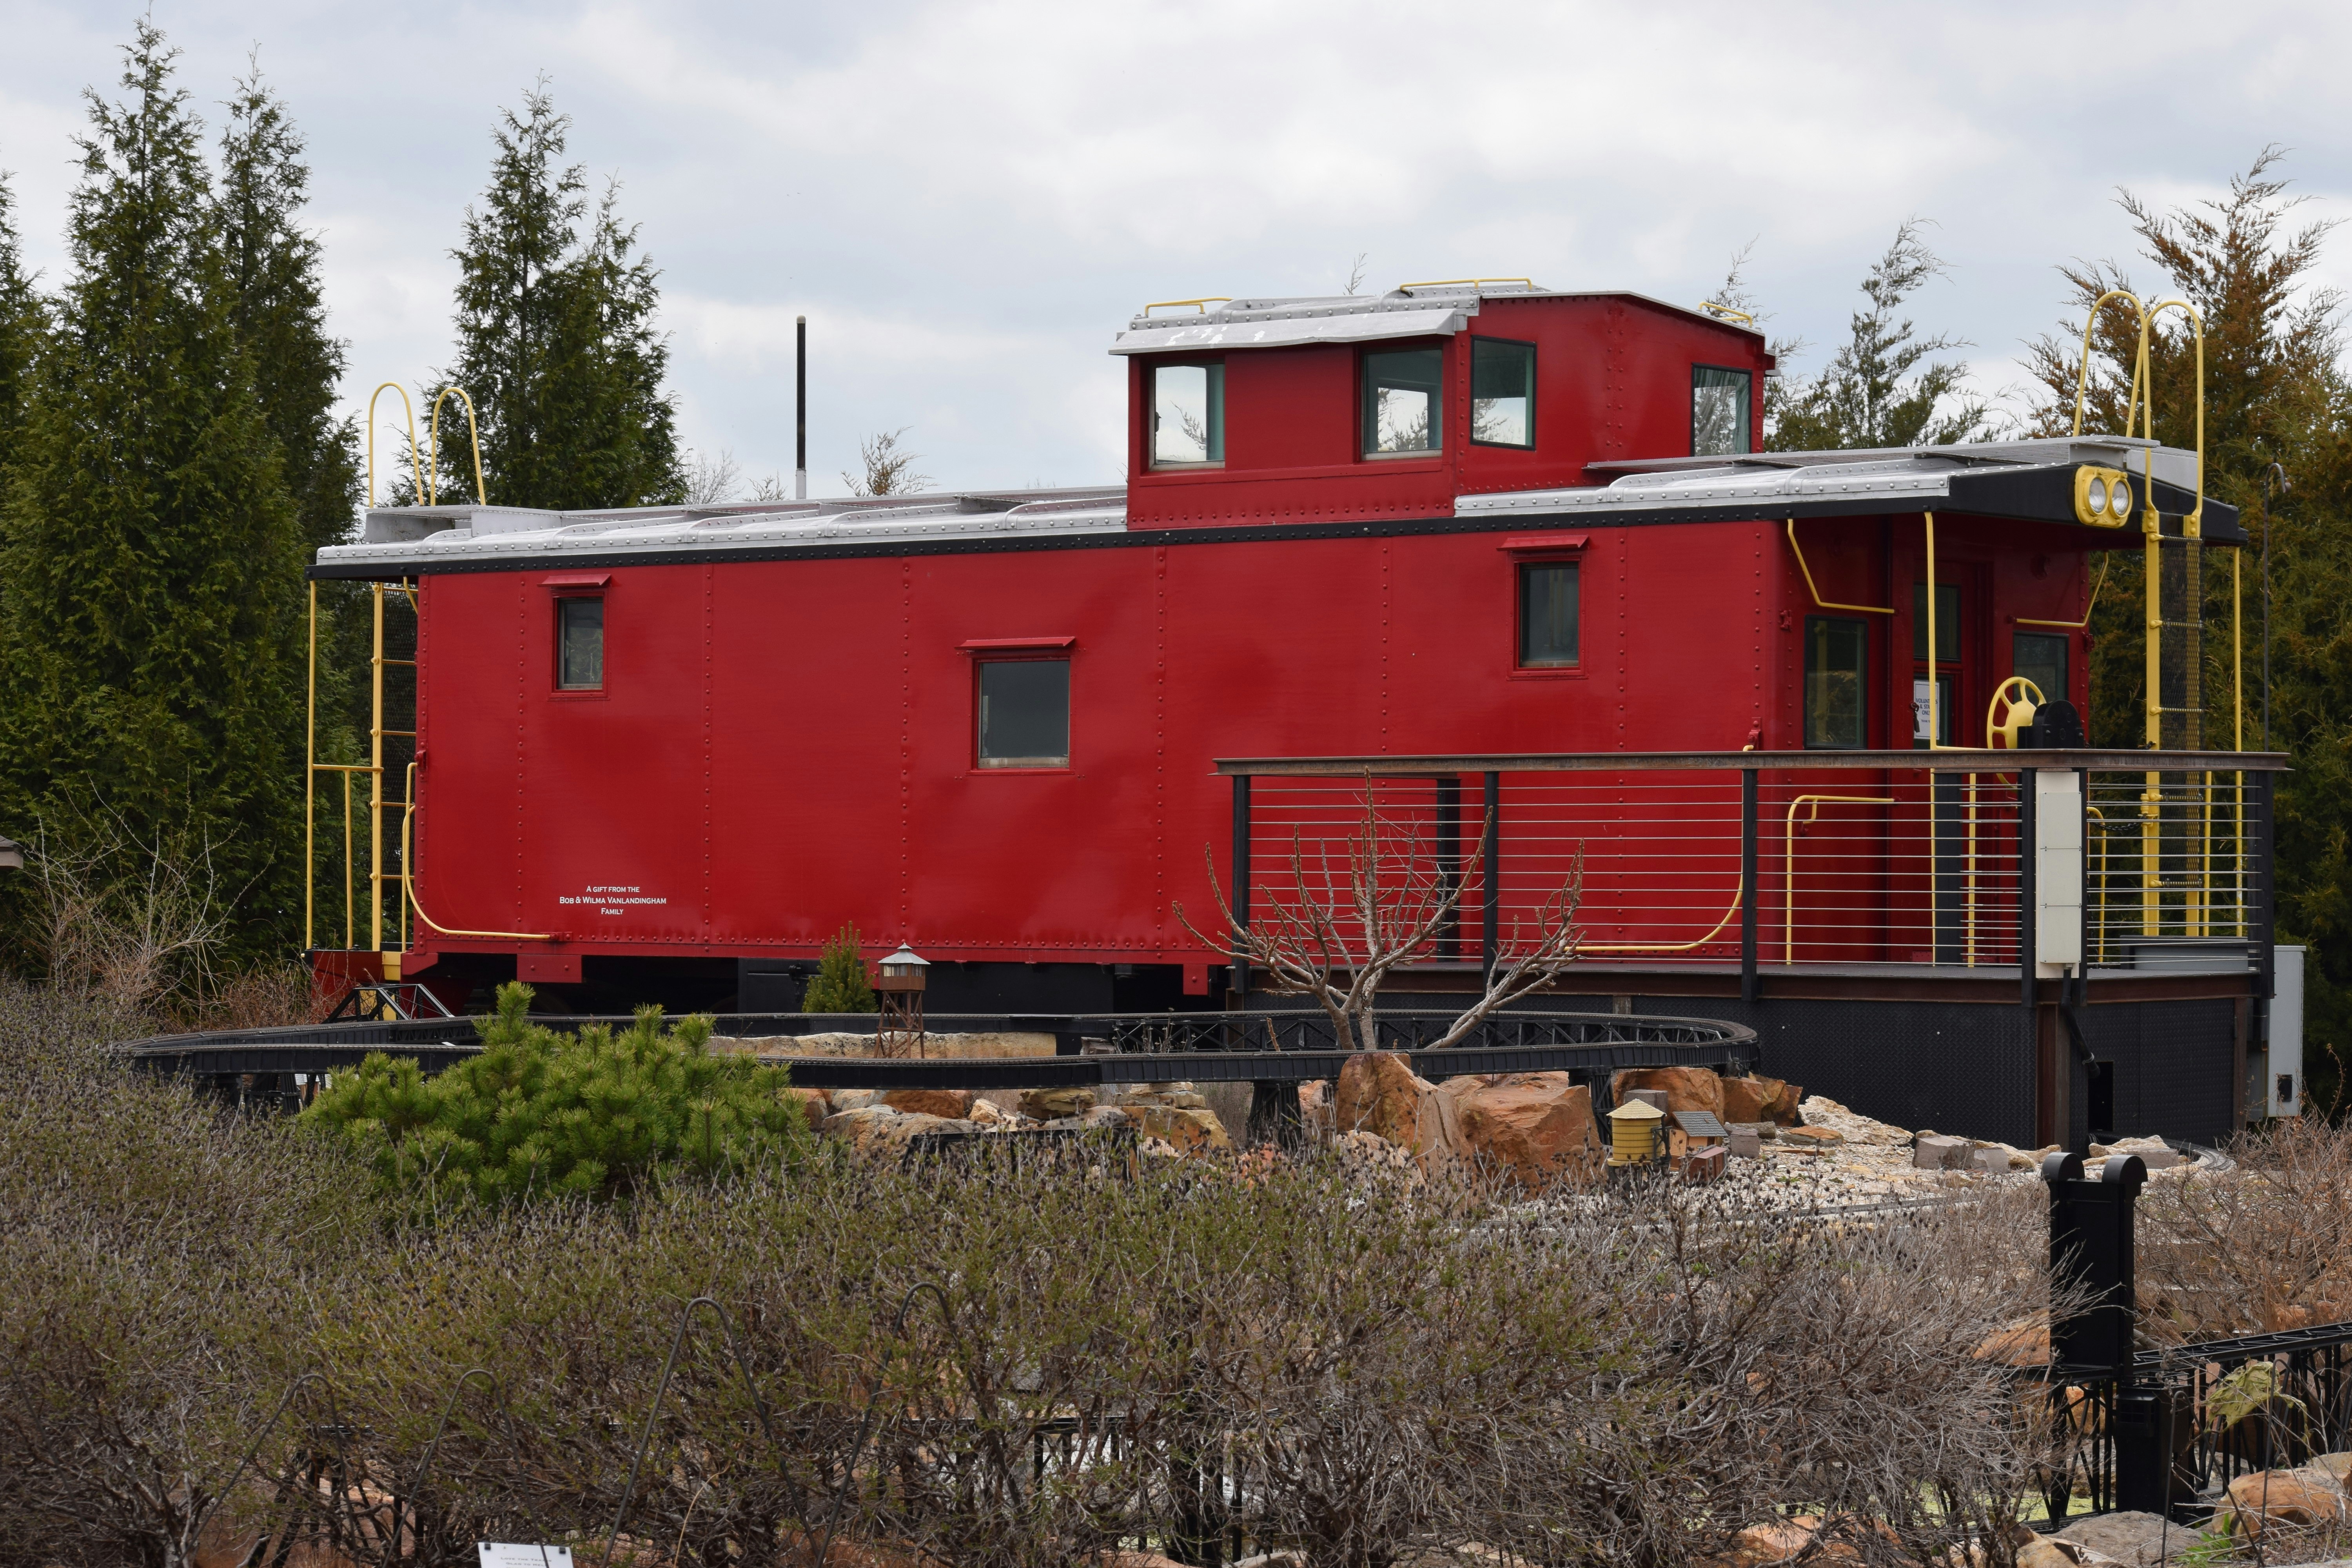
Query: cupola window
(1719,412)
(1188,414)
(1403,410)
(1502,393)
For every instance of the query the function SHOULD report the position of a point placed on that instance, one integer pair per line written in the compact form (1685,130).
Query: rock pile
(1171,1119)
(1532,1131)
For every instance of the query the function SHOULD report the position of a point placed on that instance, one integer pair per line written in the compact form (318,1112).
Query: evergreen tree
(273,275)
(556,341)
(23,321)
(278,307)
(150,557)
(1881,388)
(2274,393)
(841,985)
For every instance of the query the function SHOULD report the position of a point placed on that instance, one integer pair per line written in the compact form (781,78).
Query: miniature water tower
(898,991)
(1635,1130)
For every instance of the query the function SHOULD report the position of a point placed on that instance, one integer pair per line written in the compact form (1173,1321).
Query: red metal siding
(783,746)
(1613,381)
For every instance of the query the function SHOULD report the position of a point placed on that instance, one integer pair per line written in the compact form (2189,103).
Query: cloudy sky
(967,200)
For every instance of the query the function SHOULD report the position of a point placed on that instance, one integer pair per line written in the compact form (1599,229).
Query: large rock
(1191,1128)
(816,1106)
(1686,1089)
(1052,1104)
(1762,1545)
(1379,1093)
(2297,1499)
(1535,1128)
(2135,1540)
(1757,1098)
(877,1128)
(954,1104)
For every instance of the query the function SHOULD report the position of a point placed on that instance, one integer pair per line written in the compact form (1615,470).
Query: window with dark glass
(1404,411)
(1547,615)
(580,643)
(2042,659)
(1502,393)
(1837,680)
(1024,714)
(1719,411)
(1188,414)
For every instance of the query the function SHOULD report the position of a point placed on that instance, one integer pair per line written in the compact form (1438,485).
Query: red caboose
(664,752)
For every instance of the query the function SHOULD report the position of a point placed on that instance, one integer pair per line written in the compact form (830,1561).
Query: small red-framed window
(1021,702)
(580,642)
(1547,595)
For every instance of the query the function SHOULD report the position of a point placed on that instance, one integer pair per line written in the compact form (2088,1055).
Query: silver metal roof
(1430,309)
(401,538)
(1921,474)
(423,534)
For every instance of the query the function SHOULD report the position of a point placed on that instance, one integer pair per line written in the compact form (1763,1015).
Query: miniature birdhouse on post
(898,991)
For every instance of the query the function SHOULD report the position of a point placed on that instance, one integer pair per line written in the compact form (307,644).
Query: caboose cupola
(1341,408)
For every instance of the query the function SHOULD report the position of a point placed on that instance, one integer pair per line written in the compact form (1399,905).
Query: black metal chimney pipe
(800,408)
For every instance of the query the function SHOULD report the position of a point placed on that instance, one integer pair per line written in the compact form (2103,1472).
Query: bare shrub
(1280,1351)
(151,1249)
(133,918)
(1343,927)
(889,467)
(2267,1246)
(258,998)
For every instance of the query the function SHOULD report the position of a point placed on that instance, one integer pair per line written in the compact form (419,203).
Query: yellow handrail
(2104,562)
(2083,381)
(2193,525)
(1819,603)
(1662,947)
(1935,683)
(1713,308)
(1789,859)
(433,463)
(408,887)
(1201,304)
(1457,282)
(411,407)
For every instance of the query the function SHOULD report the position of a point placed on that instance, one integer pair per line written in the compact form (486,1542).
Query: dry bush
(151,1247)
(133,918)
(1298,1359)
(1276,1354)
(258,998)
(2265,1247)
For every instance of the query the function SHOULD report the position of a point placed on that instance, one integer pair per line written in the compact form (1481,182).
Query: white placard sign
(522,1554)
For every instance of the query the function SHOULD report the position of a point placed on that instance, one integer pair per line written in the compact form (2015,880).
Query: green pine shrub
(841,985)
(539,1113)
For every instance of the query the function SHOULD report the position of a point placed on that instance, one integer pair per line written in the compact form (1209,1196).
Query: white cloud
(968,199)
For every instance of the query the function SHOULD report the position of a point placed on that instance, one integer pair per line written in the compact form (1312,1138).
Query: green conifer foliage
(842,984)
(1881,388)
(555,336)
(151,558)
(540,1114)
(23,321)
(273,276)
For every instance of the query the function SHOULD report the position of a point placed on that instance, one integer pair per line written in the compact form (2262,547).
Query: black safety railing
(1769,860)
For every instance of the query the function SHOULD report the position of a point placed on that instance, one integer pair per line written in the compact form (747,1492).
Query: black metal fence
(2167,1430)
